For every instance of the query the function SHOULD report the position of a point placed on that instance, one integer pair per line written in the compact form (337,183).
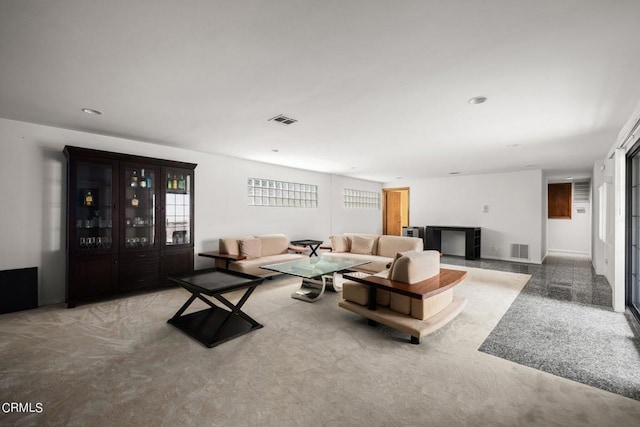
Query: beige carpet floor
(119,363)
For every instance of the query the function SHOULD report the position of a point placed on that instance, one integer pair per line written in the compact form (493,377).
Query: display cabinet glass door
(178,207)
(94,208)
(140,201)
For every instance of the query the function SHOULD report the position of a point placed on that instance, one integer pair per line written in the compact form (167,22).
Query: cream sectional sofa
(379,250)
(256,251)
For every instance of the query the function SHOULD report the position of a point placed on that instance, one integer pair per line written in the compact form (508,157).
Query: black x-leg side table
(215,325)
(311,244)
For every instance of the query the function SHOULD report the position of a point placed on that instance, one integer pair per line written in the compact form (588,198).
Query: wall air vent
(582,191)
(283,119)
(519,251)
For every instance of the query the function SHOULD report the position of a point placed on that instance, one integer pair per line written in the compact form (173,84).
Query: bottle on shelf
(143,179)
(134,178)
(134,201)
(174,182)
(88,198)
(169,182)
(149,181)
(181,182)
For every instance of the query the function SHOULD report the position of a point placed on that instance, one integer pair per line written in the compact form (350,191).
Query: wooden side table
(228,258)
(215,325)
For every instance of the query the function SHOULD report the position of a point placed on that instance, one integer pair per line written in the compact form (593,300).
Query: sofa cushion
(230,245)
(400,303)
(252,266)
(361,245)
(414,267)
(274,244)
(359,293)
(250,248)
(391,245)
(355,292)
(375,238)
(376,263)
(339,244)
(424,309)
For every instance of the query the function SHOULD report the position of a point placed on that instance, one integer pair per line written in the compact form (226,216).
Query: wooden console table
(433,239)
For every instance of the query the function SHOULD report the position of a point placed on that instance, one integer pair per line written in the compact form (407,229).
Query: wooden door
(394,213)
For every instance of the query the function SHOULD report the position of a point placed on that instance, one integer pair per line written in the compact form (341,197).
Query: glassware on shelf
(134,201)
(134,178)
(143,179)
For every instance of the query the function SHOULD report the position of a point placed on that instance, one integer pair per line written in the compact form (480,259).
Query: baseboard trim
(524,261)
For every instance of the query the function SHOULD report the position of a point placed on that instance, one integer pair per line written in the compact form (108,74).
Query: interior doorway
(395,210)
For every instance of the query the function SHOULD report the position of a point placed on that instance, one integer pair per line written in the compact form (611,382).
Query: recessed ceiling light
(92,111)
(454,173)
(398,177)
(530,166)
(513,145)
(569,177)
(275,151)
(477,100)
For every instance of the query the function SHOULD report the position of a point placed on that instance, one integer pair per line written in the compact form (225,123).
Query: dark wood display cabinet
(129,222)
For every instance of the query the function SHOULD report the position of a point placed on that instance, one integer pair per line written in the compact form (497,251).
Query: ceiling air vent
(283,119)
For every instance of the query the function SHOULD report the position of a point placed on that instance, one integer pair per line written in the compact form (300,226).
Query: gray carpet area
(118,362)
(586,343)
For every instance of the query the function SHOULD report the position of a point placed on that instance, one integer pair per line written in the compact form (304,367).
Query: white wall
(351,220)
(514,215)
(33,193)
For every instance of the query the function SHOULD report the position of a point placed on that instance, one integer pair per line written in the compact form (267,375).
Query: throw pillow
(250,248)
(361,245)
(339,244)
(393,263)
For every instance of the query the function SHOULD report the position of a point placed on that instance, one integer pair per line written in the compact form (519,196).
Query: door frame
(384,205)
(629,238)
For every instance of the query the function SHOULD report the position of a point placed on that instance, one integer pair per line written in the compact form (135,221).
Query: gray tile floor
(564,278)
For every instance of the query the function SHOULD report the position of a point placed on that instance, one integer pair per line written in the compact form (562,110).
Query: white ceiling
(380,88)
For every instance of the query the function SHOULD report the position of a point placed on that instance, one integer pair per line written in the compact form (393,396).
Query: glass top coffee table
(315,272)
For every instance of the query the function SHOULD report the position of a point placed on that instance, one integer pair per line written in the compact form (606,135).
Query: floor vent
(519,251)
(283,119)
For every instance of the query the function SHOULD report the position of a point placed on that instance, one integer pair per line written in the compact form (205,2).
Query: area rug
(589,344)
(119,363)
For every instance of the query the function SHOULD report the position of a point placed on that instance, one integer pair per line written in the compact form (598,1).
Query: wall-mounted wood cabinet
(129,222)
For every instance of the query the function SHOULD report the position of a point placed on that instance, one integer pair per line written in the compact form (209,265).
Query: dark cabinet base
(91,277)
(175,261)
